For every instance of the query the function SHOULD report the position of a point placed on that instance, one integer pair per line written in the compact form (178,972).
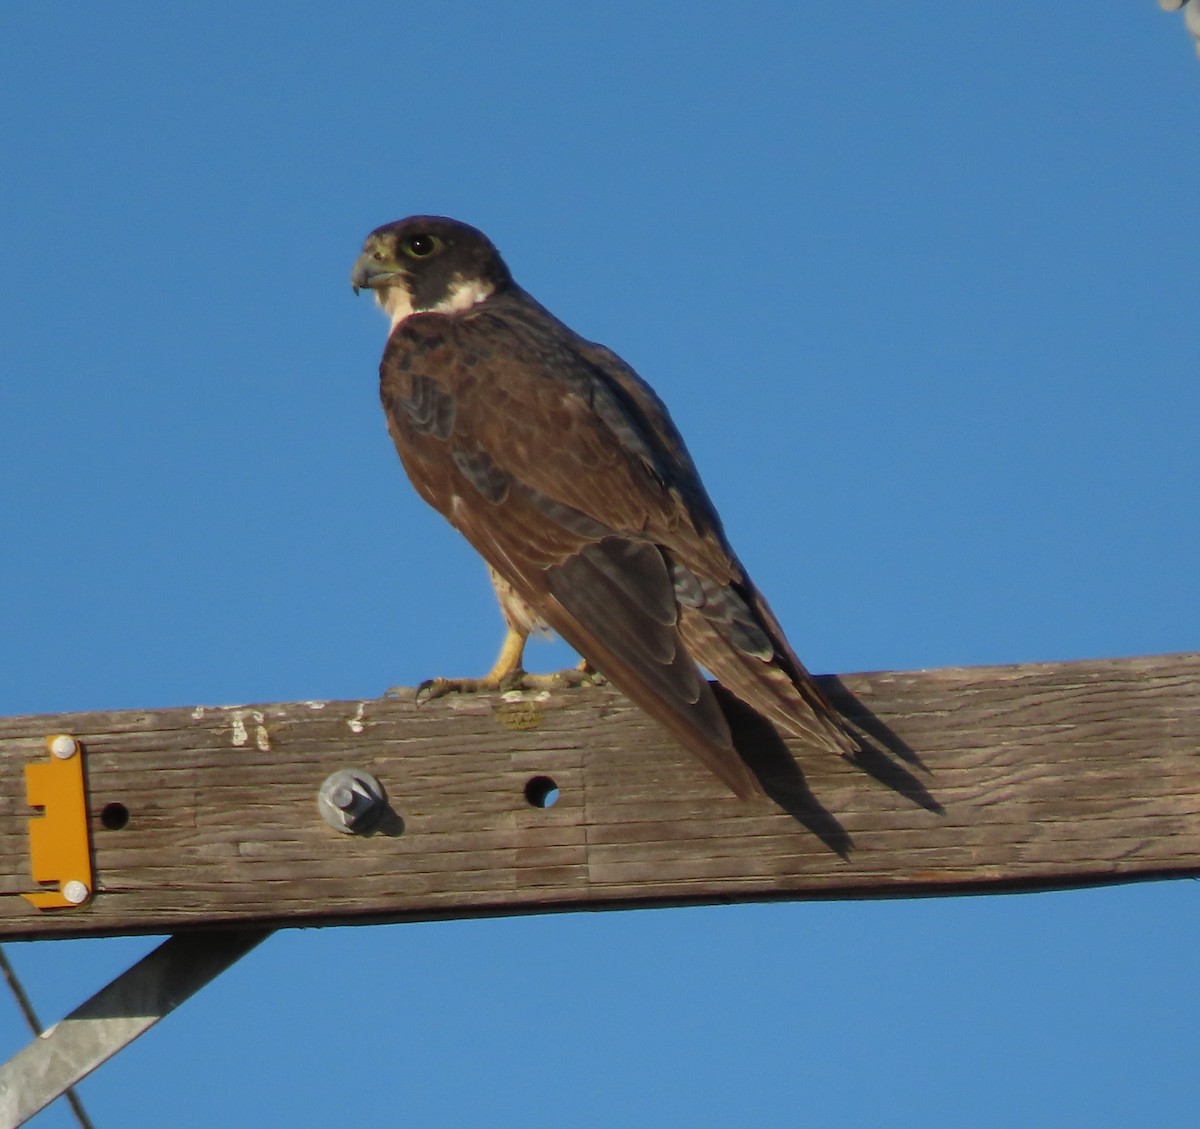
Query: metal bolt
(343,797)
(76,892)
(352,801)
(64,747)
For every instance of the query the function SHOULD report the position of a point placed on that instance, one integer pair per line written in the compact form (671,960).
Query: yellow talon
(508,674)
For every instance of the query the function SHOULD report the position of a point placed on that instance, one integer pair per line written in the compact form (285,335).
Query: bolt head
(342,797)
(351,801)
(75,891)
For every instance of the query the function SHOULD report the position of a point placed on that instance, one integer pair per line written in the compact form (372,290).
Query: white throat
(464,293)
(396,301)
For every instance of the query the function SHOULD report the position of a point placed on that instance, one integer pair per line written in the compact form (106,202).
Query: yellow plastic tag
(58,839)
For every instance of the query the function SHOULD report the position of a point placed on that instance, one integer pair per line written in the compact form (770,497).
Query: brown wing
(726,623)
(556,478)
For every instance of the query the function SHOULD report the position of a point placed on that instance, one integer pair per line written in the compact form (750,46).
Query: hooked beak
(370,274)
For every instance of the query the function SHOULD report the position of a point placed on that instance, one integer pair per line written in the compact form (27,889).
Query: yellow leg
(508,662)
(508,674)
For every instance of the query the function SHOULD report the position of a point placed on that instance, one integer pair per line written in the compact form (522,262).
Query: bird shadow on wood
(884,755)
(758,743)
(865,722)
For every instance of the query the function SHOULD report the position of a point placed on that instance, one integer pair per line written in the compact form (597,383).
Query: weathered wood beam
(1004,778)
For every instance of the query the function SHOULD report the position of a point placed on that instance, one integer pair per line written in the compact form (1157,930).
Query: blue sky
(918,283)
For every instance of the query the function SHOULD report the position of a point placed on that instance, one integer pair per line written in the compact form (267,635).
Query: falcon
(562,468)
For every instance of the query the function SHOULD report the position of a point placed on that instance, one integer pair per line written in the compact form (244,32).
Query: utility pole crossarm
(1020,777)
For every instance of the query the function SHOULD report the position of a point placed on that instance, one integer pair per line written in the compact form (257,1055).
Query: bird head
(428,264)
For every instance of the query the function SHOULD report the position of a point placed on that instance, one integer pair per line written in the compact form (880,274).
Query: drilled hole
(541,792)
(114,817)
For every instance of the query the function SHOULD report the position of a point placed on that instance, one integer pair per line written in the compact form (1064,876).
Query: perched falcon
(562,468)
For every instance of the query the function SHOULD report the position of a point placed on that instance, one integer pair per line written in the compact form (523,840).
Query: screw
(76,892)
(64,747)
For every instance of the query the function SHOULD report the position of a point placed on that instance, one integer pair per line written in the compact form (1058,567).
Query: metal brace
(115,1016)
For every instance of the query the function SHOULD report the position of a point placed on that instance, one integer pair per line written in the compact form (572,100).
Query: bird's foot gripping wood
(571,677)
(508,673)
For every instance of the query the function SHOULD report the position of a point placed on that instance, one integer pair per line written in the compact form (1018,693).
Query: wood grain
(984,779)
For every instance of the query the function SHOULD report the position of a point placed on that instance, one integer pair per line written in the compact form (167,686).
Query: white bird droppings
(240,735)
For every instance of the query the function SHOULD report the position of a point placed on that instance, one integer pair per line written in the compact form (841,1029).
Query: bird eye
(421,246)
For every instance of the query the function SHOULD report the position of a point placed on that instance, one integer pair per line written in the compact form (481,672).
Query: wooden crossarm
(983,779)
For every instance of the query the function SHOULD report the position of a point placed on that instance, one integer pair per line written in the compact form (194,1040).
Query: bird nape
(562,468)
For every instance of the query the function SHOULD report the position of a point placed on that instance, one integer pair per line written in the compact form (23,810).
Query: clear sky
(919,284)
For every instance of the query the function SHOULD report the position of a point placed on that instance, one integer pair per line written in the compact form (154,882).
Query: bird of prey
(562,468)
